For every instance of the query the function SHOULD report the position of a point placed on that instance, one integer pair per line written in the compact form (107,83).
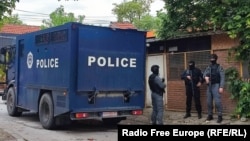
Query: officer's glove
(163,80)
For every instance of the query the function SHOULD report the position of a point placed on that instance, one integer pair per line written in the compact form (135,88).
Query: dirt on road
(5,136)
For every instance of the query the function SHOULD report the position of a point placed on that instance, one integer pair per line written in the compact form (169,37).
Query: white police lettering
(112,62)
(47,63)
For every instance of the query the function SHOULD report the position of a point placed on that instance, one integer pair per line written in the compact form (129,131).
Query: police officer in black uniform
(157,87)
(193,79)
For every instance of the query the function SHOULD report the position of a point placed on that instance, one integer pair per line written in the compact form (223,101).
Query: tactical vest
(153,86)
(215,74)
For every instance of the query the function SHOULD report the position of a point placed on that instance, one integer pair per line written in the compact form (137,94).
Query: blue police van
(76,72)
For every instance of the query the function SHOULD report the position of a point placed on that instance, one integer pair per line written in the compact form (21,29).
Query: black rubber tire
(46,112)
(11,103)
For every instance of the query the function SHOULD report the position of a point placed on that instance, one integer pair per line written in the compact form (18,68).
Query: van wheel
(46,112)
(11,103)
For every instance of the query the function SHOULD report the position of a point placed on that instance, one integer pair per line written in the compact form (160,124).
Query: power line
(31,12)
(49,14)
(42,16)
(37,16)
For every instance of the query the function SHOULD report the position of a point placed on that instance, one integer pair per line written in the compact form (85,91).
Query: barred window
(176,65)
(178,62)
(202,59)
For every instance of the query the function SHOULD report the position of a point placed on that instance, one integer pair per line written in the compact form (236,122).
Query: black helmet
(155,69)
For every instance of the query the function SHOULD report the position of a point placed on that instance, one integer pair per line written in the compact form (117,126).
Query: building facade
(172,56)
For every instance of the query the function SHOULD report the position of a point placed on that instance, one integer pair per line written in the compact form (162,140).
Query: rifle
(210,83)
(192,86)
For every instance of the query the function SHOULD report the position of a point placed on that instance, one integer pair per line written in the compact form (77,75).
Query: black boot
(199,116)
(209,117)
(187,115)
(219,120)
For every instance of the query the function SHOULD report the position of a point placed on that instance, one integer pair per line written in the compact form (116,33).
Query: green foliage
(233,82)
(231,16)
(243,105)
(240,91)
(147,23)
(59,17)
(137,13)
(128,11)
(237,25)
(6,7)
(13,19)
(185,16)
(2,73)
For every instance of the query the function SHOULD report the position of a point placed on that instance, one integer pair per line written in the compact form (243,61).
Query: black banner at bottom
(187,132)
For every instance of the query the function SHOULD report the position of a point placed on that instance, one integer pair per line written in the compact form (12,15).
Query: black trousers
(193,92)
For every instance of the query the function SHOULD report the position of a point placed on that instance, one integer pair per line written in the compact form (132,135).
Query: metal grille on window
(178,62)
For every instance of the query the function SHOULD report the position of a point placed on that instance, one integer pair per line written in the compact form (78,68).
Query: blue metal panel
(107,102)
(44,66)
(110,59)
(91,58)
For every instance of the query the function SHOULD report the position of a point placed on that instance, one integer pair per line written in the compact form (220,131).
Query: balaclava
(213,58)
(191,65)
(155,69)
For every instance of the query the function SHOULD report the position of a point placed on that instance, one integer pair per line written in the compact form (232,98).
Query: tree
(129,11)
(13,19)
(237,24)
(231,16)
(137,13)
(59,17)
(147,23)
(6,6)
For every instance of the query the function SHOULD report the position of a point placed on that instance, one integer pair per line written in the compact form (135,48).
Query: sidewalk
(176,118)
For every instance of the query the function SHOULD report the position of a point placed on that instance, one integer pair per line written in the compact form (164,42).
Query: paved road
(28,128)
